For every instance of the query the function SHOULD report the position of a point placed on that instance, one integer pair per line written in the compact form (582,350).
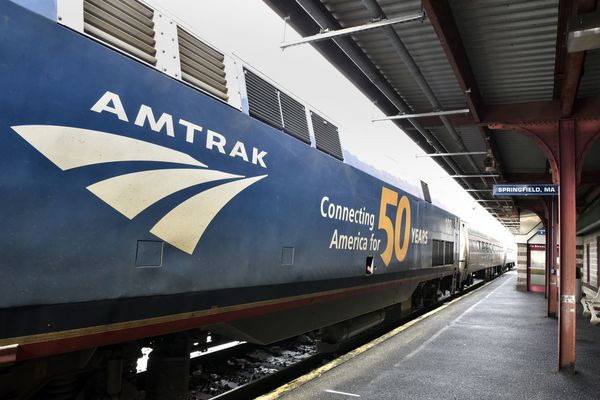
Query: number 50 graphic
(394,230)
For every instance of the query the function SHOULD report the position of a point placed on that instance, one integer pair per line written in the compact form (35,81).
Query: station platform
(495,343)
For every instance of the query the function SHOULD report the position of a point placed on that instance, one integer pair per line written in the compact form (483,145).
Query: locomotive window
(442,253)
(449,253)
(435,256)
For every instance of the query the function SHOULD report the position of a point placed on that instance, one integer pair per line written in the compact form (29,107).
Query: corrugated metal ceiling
(511,47)
(521,154)
(422,43)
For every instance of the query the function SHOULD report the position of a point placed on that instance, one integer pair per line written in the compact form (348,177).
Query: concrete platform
(496,343)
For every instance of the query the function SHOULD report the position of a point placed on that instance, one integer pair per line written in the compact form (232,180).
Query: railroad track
(251,384)
(232,375)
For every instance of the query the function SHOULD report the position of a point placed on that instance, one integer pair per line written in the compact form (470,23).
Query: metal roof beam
(528,112)
(571,63)
(528,177)
(541,112)
(441,18)
(565,10)
(443,23)
(521,112)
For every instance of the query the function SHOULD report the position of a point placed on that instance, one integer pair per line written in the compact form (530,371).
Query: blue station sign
(526,190)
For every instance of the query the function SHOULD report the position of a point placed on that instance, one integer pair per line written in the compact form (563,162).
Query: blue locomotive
(143,196)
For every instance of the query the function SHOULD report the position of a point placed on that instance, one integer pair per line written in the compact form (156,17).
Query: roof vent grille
(294,118)
(275,107)
(201,65)
(124,24)
(326,136)
(263,100)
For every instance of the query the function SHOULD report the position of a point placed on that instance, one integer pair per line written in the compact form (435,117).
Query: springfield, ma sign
(526,190)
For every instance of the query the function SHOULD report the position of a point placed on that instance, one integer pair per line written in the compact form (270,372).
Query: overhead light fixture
(489,162)
(464,153)
(435,113)
(353,29)
(472,176)
(584,32)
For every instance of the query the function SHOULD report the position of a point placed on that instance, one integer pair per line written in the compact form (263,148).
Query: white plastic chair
(589,302)
(595,320)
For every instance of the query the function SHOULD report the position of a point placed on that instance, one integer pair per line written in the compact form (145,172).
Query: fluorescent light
(584,32)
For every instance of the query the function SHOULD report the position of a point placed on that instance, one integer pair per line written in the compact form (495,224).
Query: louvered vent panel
(125,24)
(263,101)
(327,136)
(201,65)
(294,118)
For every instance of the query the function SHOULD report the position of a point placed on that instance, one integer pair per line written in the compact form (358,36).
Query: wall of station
(531,261)
(588,231)
(522,267)
(591,244)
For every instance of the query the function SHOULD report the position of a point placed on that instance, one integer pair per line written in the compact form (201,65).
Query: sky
(250,30)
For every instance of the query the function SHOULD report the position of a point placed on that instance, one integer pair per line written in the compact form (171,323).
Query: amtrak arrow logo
(132,193)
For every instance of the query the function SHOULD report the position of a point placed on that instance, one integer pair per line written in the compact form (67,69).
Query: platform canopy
(506,61)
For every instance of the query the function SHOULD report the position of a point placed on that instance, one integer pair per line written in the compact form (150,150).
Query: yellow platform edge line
(296,383)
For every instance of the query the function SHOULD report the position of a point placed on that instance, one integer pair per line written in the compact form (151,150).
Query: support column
(568,179)
(548,256)
(551,251)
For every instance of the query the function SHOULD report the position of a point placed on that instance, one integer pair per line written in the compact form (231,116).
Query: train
(156,192)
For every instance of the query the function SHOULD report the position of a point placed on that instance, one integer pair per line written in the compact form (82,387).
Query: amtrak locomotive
(150,185)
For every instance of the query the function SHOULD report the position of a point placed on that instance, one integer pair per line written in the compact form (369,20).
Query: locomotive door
(456,227)
(463,250)
(536,268)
